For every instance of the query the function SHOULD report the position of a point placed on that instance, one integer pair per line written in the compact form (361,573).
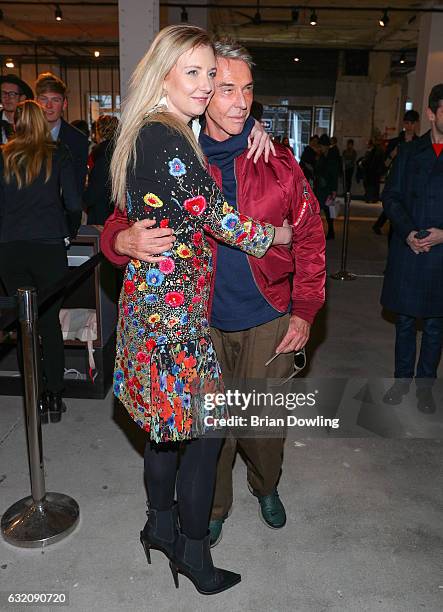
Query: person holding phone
(413,288)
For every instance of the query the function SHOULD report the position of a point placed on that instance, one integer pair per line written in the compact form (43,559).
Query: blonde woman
(166,363)
(39,208)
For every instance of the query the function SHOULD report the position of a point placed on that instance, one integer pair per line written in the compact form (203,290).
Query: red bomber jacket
(270,192)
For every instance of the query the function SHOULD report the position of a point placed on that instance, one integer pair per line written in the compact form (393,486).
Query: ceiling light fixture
(384,19)
(402,59)
(313,18)
(296,59)
(58,13)
(10,63)
(294,14)
(96,53)
(184,15)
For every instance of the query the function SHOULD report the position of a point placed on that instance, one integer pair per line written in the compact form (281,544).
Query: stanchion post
(343,274)
(27,315)
(41,518)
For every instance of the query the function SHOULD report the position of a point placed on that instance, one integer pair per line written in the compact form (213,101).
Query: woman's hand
(259,141)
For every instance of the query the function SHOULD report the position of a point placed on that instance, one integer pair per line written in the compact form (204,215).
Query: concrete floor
(364,530)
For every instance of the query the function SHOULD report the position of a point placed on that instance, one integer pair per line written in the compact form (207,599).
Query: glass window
(322,120)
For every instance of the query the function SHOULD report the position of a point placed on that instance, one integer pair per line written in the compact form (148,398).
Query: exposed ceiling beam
(252,6)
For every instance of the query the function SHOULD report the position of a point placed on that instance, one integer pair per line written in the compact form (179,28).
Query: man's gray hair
(228,48)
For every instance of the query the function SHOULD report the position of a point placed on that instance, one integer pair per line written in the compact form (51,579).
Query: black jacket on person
(97,196)
(42,211)
(413,200)
(308,161)
(78,145)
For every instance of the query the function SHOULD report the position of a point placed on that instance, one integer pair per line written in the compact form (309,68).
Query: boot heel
(145,548)
(55,417)
(174,574)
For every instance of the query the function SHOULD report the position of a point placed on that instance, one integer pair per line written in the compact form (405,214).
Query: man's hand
(139,242)
(296,337)
(435,237)
(259,141)
(415,245)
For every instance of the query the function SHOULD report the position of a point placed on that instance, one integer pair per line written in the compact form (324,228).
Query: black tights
(192,465)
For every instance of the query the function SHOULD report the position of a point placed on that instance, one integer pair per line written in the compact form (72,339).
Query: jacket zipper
(247,256)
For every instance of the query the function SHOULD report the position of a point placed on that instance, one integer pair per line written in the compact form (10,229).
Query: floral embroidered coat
(165,361)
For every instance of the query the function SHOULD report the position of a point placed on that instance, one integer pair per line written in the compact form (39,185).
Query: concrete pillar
(138,25)
(429,66)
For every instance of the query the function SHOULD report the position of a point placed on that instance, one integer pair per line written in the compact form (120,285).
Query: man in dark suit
(413,288)
(13,91)
(51,94)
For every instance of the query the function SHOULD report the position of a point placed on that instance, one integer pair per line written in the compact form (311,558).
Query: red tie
(438,148)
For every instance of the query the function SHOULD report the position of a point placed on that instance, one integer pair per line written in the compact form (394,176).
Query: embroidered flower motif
(183,251)
(150,344)
(201,282)
(142,357)
(167,266)
(151,298)
(229,222)
(164,223)
(174,298)
(226,208)
(176,167)
(154,277)
(247,226)
(150,199)
(142,286)
(154,318)
(129,287)
(172,322)
(197,238)
(195,206)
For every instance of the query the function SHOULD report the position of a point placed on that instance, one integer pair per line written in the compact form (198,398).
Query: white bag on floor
(80,324)
(334,206)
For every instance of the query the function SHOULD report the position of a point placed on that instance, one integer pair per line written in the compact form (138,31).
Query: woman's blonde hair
(31,147)
(145,92)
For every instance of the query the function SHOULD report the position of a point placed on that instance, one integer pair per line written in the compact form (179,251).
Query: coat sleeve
(114,224)
(308,249)
(195,191)
(394,196)
(70,193)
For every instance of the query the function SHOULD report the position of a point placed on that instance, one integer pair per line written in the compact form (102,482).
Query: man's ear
(65,104)
(431,115)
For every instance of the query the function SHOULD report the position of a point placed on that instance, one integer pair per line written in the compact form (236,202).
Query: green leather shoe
(215,531)
(271,511)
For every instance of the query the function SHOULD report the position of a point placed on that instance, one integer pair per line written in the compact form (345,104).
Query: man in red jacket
(258,307)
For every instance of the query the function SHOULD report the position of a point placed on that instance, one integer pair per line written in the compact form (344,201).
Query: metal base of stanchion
(343,276)
(33,524)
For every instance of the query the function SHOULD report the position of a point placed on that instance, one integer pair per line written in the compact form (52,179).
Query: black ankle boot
(43,406)
(55,406)
(192,558)
(160,531)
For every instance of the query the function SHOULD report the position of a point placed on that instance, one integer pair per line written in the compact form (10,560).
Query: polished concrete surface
(364,530)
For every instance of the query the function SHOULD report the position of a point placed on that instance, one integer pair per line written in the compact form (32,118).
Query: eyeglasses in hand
(299,364)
